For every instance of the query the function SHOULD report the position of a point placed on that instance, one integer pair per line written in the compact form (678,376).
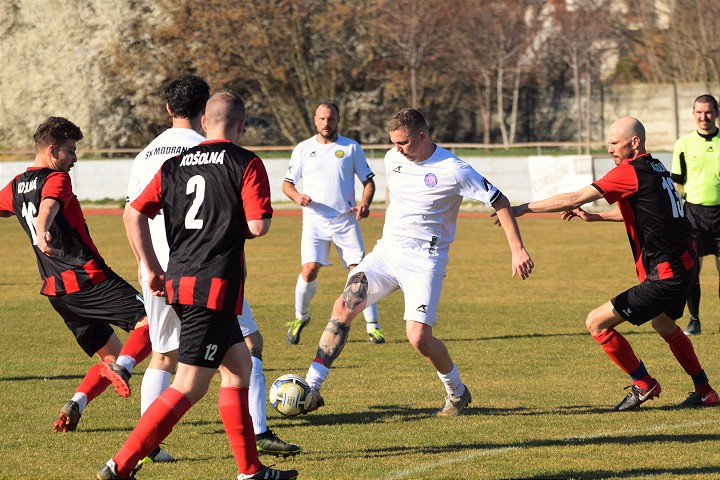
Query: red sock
(153,427)
(618,349)
(233,407)
(682,348)
(138,346)
(93,384)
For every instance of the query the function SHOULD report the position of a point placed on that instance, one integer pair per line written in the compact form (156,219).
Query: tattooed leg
(332,342)
(348,306)
(355,291)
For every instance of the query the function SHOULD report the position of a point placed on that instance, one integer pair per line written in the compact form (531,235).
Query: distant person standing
(327,164)
(80,286)
(696,173)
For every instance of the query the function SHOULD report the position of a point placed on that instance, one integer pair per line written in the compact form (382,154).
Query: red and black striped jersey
(79,264)
(656,226)
(207,195)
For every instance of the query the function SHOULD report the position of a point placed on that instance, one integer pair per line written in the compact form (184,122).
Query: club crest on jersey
(339,154)
(431,180)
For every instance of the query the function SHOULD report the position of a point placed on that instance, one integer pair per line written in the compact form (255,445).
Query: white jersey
(425,199)
(328,174)
(170,143)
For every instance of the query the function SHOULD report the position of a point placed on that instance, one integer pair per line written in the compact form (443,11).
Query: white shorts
(318,233)
(421,287)
(164,324)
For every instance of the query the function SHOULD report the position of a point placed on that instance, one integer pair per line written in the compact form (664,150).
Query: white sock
(257,396)
(154,382)
(127,362)
(304,293)
(316,375)
(81,399)
(371,318)
(452,382)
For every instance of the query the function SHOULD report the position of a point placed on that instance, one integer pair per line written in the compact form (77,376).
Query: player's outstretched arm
(522,264)
(613,215)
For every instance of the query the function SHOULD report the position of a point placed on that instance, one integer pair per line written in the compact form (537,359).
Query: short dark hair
(56,130)
(187,95)
(408,119)
(329,105)
(707,98)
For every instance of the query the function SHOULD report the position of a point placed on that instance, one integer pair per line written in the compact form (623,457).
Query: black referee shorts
(705,223)
(206,335)
(646,301)
(89,312)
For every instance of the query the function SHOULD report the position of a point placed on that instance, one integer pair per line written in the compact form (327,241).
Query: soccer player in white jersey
(425,187)
(186,97)
(327,164)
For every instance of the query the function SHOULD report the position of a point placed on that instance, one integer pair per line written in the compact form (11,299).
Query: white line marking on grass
(409,473)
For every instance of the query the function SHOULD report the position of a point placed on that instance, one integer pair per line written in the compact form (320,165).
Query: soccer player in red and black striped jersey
(665,260)
(213,197)
(88,295)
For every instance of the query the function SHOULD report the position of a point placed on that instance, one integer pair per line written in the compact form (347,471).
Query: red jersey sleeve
(255,191)
(618,183)
(149,202)
(6,197)
(58,187)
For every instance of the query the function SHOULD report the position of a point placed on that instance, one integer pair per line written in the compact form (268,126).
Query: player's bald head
(628,127)
(225,107)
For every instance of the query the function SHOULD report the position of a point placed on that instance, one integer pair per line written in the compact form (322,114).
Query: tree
(577,39)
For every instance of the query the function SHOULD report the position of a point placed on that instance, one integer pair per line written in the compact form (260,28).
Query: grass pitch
(543,390)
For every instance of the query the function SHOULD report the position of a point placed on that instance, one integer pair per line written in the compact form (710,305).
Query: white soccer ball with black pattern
(288,394)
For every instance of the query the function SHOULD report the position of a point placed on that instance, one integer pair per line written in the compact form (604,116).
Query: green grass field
(543,390)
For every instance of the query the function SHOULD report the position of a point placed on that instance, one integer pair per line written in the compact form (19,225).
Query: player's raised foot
(68,417)
(695,399)
(453,405)
(118,375)
(637,396)
(266,473)
(294,330)
(693,327)
(313,401)
(109,471)
(159,455)
(269,443)
(376,336)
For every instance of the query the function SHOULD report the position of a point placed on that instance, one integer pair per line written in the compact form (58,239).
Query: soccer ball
(288,394)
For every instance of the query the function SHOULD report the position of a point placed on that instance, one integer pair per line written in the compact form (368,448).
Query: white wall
(521,179)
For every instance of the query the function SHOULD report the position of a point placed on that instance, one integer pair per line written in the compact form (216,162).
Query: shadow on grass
(633,473)
(44,378)
(536,335)
(481,449)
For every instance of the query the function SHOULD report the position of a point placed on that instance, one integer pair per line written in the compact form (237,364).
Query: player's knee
(356,291)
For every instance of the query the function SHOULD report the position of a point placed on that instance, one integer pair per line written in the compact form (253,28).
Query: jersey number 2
(195,185)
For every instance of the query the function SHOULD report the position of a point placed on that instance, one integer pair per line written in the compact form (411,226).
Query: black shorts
(206,335)
(646,301)
(705,223)
(89,312)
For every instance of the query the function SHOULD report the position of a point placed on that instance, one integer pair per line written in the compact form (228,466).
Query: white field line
(409,473)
